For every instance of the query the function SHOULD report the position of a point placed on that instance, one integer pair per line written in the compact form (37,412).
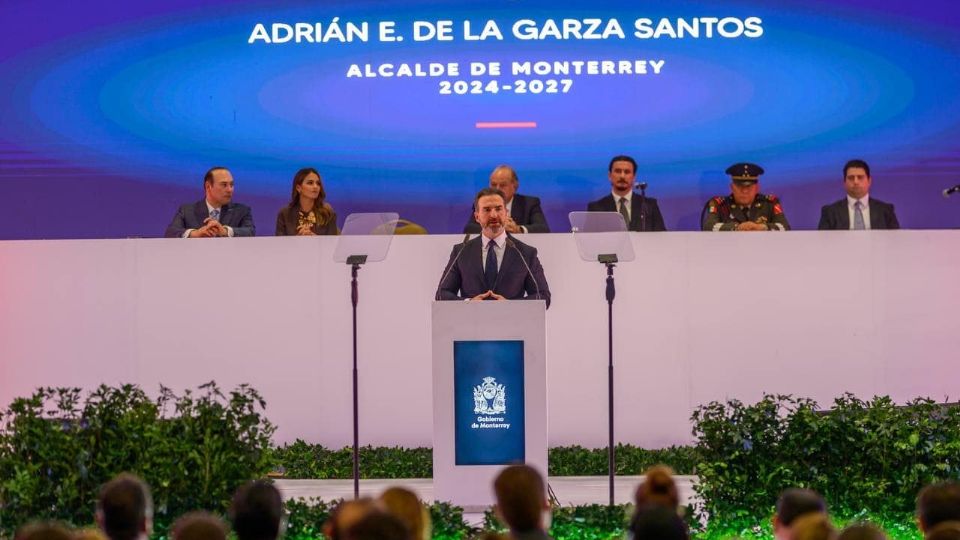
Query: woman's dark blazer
(287,223)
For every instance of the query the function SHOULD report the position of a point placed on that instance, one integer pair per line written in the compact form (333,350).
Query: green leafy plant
(194,450)
(303,460)
(861,455)
(631,460)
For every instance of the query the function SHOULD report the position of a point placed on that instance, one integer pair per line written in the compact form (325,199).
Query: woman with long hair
(308,213)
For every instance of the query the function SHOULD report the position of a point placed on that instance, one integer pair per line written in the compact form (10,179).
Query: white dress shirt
(865,203)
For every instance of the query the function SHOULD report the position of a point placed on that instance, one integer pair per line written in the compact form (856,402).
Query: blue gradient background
(110,112)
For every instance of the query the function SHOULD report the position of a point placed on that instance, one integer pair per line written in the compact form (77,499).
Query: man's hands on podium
(488,295)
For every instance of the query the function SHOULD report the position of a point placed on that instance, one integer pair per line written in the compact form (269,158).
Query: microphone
(641,186)
(950,191)
(511,243)
(466,238)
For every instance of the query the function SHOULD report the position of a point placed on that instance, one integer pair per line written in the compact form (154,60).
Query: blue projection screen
(110,112)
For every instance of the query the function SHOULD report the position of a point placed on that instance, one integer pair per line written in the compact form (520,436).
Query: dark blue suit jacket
(836,216)
(525,211)
(654,219)
(464,279)
(191,216)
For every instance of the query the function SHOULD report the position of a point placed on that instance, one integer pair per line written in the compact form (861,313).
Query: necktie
(624,212)
(215,214)
(858,224)
(490,268)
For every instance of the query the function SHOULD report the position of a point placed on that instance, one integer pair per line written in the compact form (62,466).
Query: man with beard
(493,266)
(640,212)
(745,209)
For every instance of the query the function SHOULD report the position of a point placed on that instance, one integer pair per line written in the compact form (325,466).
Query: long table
(698,317)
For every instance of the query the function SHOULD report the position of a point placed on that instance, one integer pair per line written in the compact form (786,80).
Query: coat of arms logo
(489,397)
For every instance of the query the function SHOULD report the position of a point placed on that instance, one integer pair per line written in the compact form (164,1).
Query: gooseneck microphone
(511,243)
(641,186)
(463,245)
(950,191)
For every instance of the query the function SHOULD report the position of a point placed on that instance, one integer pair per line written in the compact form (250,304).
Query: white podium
(489,395)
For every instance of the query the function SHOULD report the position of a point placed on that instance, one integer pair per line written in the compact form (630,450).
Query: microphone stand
(611,292)
(355,261)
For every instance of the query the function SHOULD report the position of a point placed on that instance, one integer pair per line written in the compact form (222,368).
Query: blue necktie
(215,214)
(858,224)
(490,268)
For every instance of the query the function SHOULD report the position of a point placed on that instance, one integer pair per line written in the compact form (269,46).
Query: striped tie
(858,224)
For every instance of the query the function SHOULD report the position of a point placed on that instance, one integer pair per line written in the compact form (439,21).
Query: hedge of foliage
(868,458)
(301,460)
(863,456)
(57,447)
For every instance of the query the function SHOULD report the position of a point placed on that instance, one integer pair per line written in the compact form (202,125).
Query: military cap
(745,173)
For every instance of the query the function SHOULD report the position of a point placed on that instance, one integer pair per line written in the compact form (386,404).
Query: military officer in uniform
(745,209)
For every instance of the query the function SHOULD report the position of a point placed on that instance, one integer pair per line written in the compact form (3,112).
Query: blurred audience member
(657,522)
(345,515)
(378,525)
(125,508)
(658,488)
(813,526)
(792,504)
(257,511)
(89,533)
(405,505)
(862,531)
(937,503)
(199,526)
(522,502)
(945,530)
(43,531)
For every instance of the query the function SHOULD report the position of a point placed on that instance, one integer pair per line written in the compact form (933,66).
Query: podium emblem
(489,397)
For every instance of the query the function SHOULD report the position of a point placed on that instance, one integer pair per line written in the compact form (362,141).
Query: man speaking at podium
(493,266)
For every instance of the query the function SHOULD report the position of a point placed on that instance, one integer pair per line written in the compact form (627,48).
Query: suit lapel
(224,214)
(475,253)
(201,213)
(517,210)
(875,210)
(509,259)
(610,204)
(844,214)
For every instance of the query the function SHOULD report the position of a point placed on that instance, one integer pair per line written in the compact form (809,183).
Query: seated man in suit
(215,215)
(523,211)
(493,266)
(745,209)
(858,211)
(641,213)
